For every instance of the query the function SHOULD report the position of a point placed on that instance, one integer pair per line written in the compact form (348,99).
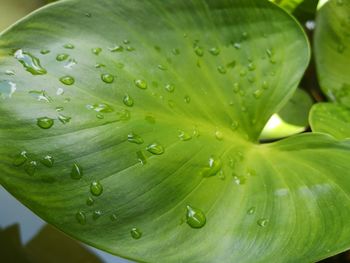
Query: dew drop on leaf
(265,85)
(219,135)
(96,188)
(90,201)
(234,125)
(239,179)
(64,119)
(237,45)
(141,157)
(263,222)
(187,99)
(48,161)
(134,138)
(30,168)
(116,48)
(236,87)
(81,217)
(155,148)
(97,214)
(44,51)
(251,210)
(20,159)
(101,107)
(251,66)
(128,101)
(45,122)
(96,50)
(107,78)
(62,57)
(135,233)
(222,69)
(257,93)
(170,88)
(68,46)
(76,172)
(67,80)
(199,51)
(175,51)
(162,67)
(214,51)
(195,218)
(214,166)
(184,136)
(29,62)
(141,84)
(113,217)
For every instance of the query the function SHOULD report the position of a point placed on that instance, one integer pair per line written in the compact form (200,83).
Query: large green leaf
(332,51)
(159,162)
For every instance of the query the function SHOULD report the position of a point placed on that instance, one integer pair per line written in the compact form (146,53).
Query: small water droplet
(155,148)
(67,80)
(88,14)
(237,45)
(62,57)
(96,214)
(263,222)
(69,46)
(169,87)
(29,62)
(214,166)
(64,119)
(123,115)
(9,72)
(101,107)
(44,51)
(251,210)
(96,188)
(45,122)
(20,159)
(258,93)
(219,135)
(251,66)
(48,161)
(222,69)
(100,65)
(243,73)
(134,138)
(236,87)
(195,218)
(76,172)
(162,67)
(96,50)
(126,41)
(107,78)
(30,168)
(113,217)
(70,63)
(141,157)
(59,109)
(239,179)
(184,136)
(251,172)
(175,51)
(234,125)
(244,35)
(187,99)
(199,51)
(116,48)
(128,101)
(141,84)
(214,51)
(265,85)
(150,119)
(90,201)
(135,233)
(130,49)
(81,217)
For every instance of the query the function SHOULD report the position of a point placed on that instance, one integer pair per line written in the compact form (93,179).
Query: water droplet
(96,188)
(169,87)
(48,161)
(187,99)
(141,84)
(44,51)
(257,93)
(29,62)
(128,101)
(214,166)
(62,57)
(199,51)
(234,125)
(269,52)
(231,65)
(263,222)
(90,201)
(96,50)
(64,119)
(113,217)
(251,210)
(76,172)
(81,217)
(162,67)
(195,218)
(141,157)
(130,49)
(184,136)
(134,138)
(126,41)
(135,233)
(69,46)
(67,80)
(222,69)
(31,167)
(96,214)
(101,107)
(116,48)
(239,179)
(236,87)
(45,122)
(155,148)
(251,66)
(175,51)
(20,159)
(243,73)
(214,51)
(219,135)
(265,85)
(107,78)
(251,172)
(59,109)
(123,115)
(237,45)
(99,65)
(41,95)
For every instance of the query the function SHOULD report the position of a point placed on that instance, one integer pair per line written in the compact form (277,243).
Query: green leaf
(143,141)
(288,5)
(332,51)
(331,118)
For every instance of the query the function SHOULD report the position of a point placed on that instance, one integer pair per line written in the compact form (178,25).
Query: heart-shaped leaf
(132,126)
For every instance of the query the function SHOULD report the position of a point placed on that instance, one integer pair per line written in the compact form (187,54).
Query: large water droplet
(30,168)
(219,135)
(76,172)
(67,80)
(107,78)
(29,62)
(195,218)
(48,161)
(134,138)
(141,84)
(135,233)
(214,166)
(45,122)
(155,148)
(20,159)
(81,217)
(128,101)
(96,188)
